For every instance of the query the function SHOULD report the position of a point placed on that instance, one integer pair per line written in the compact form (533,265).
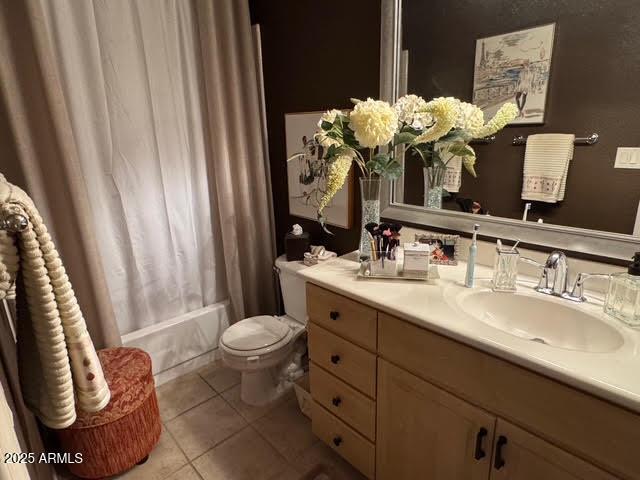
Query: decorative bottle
(623,298)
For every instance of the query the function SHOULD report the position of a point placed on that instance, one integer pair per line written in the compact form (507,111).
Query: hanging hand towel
(546,164)
(59,368)
(453,175)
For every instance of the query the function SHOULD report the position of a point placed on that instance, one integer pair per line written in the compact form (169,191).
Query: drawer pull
(336,401)
(480,453)
(499,462)
(335,359)
(333,315)
(337,441)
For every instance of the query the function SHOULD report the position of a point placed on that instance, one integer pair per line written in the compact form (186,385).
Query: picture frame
(306,175)
(514,67)
(444,247)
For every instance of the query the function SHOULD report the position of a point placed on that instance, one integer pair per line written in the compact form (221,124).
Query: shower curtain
(136,126)
(131,79)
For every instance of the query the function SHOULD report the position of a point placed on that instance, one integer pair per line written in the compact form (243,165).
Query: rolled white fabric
(61,366)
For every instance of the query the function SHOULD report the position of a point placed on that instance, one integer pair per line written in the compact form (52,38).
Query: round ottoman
(126,430)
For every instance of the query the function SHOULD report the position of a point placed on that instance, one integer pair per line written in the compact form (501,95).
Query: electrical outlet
(627,157)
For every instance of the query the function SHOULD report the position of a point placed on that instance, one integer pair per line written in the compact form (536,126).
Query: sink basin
(541,319)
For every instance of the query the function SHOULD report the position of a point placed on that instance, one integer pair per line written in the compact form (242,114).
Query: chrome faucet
(554,278)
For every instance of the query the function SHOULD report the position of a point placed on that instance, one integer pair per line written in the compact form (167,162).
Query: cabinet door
(426,433)
(519,455)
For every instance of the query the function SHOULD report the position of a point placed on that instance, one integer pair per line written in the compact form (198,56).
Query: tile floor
(209,434)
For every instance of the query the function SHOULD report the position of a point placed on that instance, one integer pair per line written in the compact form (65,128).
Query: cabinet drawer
(347,361)
(343,401)
(349,319)
(352,446)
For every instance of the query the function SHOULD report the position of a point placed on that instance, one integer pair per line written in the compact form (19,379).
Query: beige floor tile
(164,460)
(249,412)
(289,474)
(287,429)
(185,473)
(219,376)
(245,456)
(204,426)
(321,455)
(181,394)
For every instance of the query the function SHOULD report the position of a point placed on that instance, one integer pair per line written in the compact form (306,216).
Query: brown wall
(316,55)
(594,87)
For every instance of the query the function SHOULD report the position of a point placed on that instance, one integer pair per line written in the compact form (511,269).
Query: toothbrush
(471,262)
(527,207)
(513,249)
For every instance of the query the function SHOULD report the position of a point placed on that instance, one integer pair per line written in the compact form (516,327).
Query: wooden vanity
(401,402)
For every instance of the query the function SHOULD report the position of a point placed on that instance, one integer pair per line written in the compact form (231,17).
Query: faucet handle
(543,283)
(577,292)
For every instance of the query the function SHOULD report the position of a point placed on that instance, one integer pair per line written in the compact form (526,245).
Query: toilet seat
(255,336)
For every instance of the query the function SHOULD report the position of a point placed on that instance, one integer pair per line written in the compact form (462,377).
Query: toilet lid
(255,333)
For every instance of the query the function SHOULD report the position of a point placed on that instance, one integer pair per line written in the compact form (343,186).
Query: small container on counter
(505,269)
(623,298)
(416,257)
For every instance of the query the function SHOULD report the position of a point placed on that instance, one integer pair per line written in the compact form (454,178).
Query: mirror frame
(592,242)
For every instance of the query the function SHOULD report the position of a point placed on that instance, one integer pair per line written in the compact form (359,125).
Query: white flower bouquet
(431,129)
(446,125)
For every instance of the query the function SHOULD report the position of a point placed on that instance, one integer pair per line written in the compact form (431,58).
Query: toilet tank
(292,286)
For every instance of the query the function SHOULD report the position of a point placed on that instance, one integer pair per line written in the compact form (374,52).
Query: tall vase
(433,182)
(370,203)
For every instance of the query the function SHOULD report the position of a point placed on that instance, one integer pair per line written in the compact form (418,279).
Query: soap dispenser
(623,297)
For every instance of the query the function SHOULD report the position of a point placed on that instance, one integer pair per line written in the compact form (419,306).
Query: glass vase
(370,204)
(433,182)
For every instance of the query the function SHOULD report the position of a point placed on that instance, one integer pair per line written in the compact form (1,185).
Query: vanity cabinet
(424,432)
(399,401)
(522,456)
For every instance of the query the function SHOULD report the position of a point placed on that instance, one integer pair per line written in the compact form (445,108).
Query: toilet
(267,349)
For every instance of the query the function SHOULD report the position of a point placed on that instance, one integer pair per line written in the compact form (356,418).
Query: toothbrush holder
(505,269)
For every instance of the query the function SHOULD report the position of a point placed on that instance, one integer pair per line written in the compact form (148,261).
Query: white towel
(59,368)
(546,164)
(453,175)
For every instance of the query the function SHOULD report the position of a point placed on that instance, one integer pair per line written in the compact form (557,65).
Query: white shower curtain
(133,84)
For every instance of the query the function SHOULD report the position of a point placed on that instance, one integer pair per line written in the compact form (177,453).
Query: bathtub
(182,344)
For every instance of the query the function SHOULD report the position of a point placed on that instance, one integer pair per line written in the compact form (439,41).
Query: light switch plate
(627,157)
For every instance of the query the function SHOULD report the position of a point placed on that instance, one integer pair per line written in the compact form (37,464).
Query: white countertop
(614,376)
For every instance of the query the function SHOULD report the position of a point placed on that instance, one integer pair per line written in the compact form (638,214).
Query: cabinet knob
(333,315)
(336,401)
(498,461)
(337,441)
(479,452)
(335,359)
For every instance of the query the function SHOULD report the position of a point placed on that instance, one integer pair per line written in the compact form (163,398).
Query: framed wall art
(514,67)
(306,174)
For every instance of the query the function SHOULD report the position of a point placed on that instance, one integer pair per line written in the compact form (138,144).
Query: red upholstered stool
(124,433)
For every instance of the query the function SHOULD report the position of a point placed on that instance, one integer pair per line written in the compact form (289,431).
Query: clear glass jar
(623,298)
(505,269)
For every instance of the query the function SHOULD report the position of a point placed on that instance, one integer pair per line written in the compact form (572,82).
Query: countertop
(614,376)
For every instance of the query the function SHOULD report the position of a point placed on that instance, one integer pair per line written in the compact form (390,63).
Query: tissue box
(296,245)
(416,257)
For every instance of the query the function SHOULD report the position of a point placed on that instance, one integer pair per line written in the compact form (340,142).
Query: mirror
(571,68)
